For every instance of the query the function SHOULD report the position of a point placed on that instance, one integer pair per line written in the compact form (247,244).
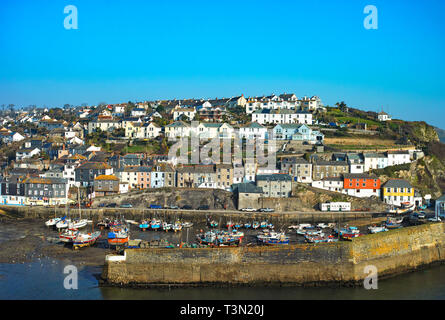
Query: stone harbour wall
(392,252)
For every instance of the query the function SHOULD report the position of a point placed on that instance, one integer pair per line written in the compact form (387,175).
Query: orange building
(361,184)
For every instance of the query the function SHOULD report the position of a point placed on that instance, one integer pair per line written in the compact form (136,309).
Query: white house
(398,157)
(375,161)
(253,131)
(178,112)
(383,116)
(265,116)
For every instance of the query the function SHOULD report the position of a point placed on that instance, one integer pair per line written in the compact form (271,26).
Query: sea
(46,279)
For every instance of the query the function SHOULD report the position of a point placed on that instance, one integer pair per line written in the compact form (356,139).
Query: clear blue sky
(138,50)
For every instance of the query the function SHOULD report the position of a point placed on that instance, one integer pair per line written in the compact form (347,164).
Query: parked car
(155,206)
(172,207)
(186,207)
(266,210)
(434,219)
(204,207)
(101,205)
(126,205)
(111,205)
(249,209)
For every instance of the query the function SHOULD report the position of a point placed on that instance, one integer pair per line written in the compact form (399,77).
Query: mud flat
(393,252)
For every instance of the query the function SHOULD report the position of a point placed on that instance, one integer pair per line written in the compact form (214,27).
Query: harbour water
(44,279)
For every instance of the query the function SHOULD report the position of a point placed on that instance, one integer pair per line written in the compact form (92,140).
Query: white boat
(187,225)
(62,224)
(69,235)
(52,222)
(166,226)
(376,229)
(85,239)
(77,224)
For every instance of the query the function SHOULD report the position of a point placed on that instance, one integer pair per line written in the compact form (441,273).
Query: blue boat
(155,224)
(273,238)
(255,225)
(247,225)
(144,225)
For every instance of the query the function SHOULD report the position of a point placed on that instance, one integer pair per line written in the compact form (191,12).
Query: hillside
(441,134)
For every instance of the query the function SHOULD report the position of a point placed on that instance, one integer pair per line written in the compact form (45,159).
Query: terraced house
(297,132)
(398,191)
(46,191)
(275,185)
(88,171)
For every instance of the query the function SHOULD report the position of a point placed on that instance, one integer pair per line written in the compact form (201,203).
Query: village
(52,160)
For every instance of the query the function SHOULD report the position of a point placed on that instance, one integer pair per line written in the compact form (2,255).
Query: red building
(361,184)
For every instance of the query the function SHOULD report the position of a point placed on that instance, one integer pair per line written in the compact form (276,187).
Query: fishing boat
(320,238)
(177,226)
(270,226)
(219,238)
(273,238)
(144,225)
(264,224)
(85,239)
(213,224)
(119,236)
(69,235)
(247,225)
(52,222)
(308,229)
(377,229)
(255,225)
(155,224)
(423,207)
(237,225)
(105,223)
(166,226)
(348,233)
(229,224)
(391,223)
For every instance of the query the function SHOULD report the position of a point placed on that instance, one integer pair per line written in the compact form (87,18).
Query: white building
(383,116)
(266,116)
(398,157)
(253,131)
(375,161)
(335,206)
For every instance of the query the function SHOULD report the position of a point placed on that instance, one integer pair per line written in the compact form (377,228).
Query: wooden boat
(247,225)
(155,224)
(187,224)
(229,224)
(320,239)
(77,224)
(213,224)
(166,226)
(62,224)
(264,224)
(85,239)
(255,225)
(177,226)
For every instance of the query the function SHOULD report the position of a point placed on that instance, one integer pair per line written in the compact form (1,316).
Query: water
(44,279)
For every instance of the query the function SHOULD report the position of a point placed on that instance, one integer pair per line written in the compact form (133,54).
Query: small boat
(348,233)
(104,224)
(77,224)
(247,225)
(237,225)
(320,239)
(229,224)
(322,225)
(187,224)
(264,224)
(69,235)
(270,226)
(52,222)
(213,224)
(85,239)
(423,207)
(177,226)
(255,225)
(377,229)
(273,238)
(166,226)
(155,224)
(118,236)
(62,224)
(144,225)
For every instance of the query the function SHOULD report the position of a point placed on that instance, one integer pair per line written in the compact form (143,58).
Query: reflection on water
(43,279)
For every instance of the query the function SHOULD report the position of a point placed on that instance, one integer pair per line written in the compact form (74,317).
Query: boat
(270,226)
(247,225)
(229,224)
(77,224)
(320,238)
(118,236)
(238,225)
(213,224)
(155,224)
(255,225)
(177,226)
(62,224)
(144,225)
(273,238)
(105,223)
(308,229)
(187,224)
(69,235)
(220,238)
(52,222)
(392,223)
(264,224)
(377,229)
(348,233)
(166,226)
(85,239)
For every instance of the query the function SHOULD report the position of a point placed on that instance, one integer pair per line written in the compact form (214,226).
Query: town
(51,156)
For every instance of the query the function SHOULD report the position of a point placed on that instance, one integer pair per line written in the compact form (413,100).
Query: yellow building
(398,191)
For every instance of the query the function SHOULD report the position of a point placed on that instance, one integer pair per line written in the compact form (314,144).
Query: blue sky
(138,50)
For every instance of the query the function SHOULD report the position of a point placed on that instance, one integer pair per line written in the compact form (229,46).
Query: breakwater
(392,252)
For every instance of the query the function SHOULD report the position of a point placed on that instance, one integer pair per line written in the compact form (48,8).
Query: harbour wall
(392,252)
(30,212)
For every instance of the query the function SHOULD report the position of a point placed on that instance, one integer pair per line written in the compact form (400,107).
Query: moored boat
(85,239)
(69,235)
(52,222)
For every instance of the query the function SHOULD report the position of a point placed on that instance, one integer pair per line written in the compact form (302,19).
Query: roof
(44,180)
(359,176)
(94,165)
(107,177)
(397,183)
(247,188)
(274,177)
